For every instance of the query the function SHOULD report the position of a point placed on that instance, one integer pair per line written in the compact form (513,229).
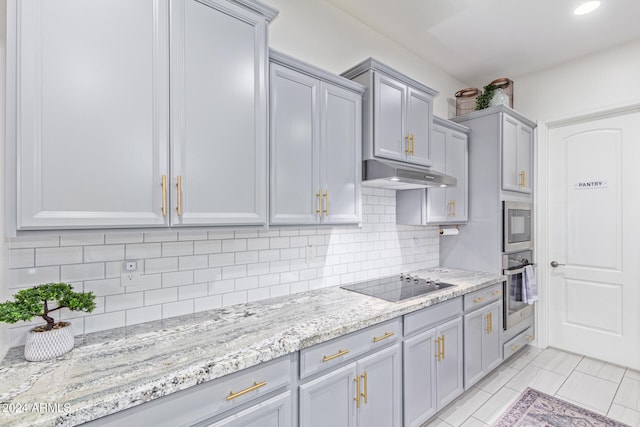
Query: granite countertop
(118,369)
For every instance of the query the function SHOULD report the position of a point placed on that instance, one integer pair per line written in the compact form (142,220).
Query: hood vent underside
(399,176)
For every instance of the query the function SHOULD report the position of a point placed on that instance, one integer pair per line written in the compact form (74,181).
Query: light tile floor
(601,387)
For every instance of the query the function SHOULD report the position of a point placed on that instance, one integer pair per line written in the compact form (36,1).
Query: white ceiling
(477,41)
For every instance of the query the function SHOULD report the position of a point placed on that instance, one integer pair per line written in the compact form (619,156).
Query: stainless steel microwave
(518,226)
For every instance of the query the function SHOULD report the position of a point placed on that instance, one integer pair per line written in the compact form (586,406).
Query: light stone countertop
(118,369)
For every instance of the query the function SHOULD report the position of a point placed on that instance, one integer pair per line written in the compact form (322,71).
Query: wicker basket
(507,87)
(466,100)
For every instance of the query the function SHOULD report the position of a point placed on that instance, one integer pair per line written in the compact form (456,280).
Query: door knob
(555,264)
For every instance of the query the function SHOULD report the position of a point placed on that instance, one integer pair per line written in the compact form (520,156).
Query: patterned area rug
(536,409)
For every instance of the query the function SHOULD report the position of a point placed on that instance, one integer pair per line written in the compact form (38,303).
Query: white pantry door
(594,236)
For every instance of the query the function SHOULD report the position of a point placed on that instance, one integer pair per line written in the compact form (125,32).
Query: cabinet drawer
(519,341)
(331,353)
(431,316)
(482,297)
(206,400)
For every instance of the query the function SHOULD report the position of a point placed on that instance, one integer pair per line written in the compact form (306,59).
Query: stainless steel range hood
(400,176)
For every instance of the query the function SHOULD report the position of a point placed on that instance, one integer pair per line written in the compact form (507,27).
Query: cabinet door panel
(457,165)
(92,113)
(524,156)
(419,119)
(294,147)
(275,412)
(491,345)
(390,112)
(437,197)
(475,324)
(218,114)
(383,405)
(449,368)
(419,378)
(329,400)
(341,154)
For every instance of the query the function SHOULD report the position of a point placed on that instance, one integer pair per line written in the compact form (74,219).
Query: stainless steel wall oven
(513,266)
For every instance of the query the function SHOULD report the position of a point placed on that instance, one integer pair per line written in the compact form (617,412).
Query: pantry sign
(591,184)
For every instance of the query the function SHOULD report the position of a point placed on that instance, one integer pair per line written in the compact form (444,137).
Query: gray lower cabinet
(315,145)
(365,393)
(482,347)
(433,360)
(275,412)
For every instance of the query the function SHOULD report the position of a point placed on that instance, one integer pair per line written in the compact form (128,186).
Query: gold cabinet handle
(338,354)
(442,357)
(477,300)
(364,380)
(490,322)
(357,398)
(515,347)
(413,145)
(164,195)
(496,293)
(453,203)
(523,179)
(255,386)
(408,138)
(438,352)
(326,202)
(529,337)
(384,337)
(319,210)
(487,319)
(179,185)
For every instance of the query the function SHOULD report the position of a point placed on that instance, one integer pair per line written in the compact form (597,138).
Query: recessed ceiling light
(587,7)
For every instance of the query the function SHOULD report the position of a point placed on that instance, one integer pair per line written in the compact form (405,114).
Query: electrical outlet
(130,278)
(310,253)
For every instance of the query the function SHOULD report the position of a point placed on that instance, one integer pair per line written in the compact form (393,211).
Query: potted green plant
(51,339)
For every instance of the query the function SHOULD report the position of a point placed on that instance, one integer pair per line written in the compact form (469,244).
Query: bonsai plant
(51,339)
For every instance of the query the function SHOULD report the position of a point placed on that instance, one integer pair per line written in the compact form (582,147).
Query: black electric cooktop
(397,288)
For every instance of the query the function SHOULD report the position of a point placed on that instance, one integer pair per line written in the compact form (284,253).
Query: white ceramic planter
(46,345)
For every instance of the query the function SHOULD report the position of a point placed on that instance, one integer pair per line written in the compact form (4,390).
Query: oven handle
(513,272)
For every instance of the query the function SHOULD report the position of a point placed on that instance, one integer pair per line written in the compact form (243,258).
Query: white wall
(598,82)
(321,34)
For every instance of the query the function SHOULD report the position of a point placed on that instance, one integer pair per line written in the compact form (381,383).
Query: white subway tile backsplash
(177,278)
(59,256)
(81,272)
(220,260)
(160,265)
(143,314)
(123,301)
(207,247)
(177,248)
(143,250)
(22,258)
(160,296)
(24,277)
(178,308)
(103,253)
(208,303)
(102,322)
(194,270)
(193,262)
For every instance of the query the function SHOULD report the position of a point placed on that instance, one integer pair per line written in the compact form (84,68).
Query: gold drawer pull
(496,293)
(338,354)
(515,347)
(358,394)
(529,337)
(255,386)
(477,300)
(364,395)
(384,337)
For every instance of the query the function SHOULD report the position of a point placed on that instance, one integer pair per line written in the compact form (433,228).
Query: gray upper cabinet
(449,154)
(517,155)
(398,113)
(315,145)
(95,141)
